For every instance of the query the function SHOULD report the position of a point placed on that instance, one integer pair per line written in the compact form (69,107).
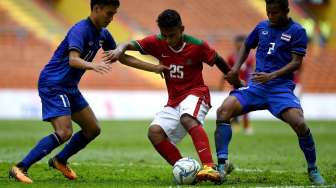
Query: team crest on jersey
(189,62)
(264,32)
(101,42)
(286,37)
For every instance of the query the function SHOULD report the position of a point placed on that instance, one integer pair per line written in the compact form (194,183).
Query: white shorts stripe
(64,103)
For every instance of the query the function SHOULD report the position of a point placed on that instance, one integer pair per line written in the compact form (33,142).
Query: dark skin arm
(233,75)
(225,69)
(262,77)
(118,54)
(138,64)
(76,62)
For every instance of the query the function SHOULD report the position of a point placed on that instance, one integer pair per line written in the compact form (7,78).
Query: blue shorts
(274,98)
(58,101)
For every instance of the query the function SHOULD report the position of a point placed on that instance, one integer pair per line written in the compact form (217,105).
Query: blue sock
(77,142)
(223,136)
(42,148)
(308,147)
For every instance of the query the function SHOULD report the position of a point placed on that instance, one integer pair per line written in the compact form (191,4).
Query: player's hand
(111,55)
(233,78)
(239,84)
(262,77)
(159,69)
(101,68)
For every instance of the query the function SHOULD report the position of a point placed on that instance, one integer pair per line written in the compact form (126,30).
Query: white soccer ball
(185,170)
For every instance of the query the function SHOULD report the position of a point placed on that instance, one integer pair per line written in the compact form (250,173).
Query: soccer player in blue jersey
(281,45)
(61,100)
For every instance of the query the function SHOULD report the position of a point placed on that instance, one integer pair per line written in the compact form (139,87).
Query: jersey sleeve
(76,37)
(109,43)
(208,54)
(299,43)
(253,38)
(147,45)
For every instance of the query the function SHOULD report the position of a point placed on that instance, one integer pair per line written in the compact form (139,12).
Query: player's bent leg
(202,146)
(20,175)
(294,117)
(62,126)
(163,145)
(223,134)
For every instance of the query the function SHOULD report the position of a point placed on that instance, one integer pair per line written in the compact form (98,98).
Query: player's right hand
(233,78)
(101,67)
(112,55)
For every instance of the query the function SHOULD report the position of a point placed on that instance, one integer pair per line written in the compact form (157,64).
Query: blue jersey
(275,46)
(83,37)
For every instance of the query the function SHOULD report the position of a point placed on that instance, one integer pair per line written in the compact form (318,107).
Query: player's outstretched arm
(113,55)
(224,67)
(76,62)
(138,64)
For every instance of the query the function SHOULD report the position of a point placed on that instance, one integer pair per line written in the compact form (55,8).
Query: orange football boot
(63,168)
(208,173)
(19,175)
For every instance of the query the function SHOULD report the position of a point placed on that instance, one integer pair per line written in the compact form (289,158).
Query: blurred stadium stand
(27,44)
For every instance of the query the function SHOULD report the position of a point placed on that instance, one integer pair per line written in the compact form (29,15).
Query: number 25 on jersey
(176,71)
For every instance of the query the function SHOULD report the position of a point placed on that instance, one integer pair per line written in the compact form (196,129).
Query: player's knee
(95,132)
(301,127)
(64,134)
(92,133)
(188,121)
(155,134)
(224,114)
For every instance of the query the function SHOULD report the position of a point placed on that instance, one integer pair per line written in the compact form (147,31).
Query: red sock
(168,151)
(201,143)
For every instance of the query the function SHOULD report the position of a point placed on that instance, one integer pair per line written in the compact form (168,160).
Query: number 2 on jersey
(176,71)
(271,48)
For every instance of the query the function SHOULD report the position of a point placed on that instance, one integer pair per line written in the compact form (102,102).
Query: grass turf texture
(123,157)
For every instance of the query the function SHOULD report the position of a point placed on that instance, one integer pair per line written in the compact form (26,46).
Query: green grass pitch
(122,156)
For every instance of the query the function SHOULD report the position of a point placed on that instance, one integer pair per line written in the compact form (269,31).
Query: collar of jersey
(290,22)
(92,25)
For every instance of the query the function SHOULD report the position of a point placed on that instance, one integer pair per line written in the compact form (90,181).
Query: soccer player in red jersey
(244,74)
(189,98)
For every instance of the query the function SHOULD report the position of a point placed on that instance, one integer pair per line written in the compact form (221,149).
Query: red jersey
(245,69)
(186,64)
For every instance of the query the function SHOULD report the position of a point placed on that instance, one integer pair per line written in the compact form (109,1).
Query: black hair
(104,2)
(169,18)
(283,4)
(240,38)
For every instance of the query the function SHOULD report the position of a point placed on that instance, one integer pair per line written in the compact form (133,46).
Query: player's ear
(182,28)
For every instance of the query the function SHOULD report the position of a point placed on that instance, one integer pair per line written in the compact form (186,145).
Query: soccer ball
(185,170)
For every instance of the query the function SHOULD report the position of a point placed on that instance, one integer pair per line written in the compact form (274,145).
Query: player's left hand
(262,77)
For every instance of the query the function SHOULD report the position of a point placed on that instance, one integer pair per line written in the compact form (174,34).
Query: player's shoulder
(296,26)
(263,24)
(80,24)
(192,40)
